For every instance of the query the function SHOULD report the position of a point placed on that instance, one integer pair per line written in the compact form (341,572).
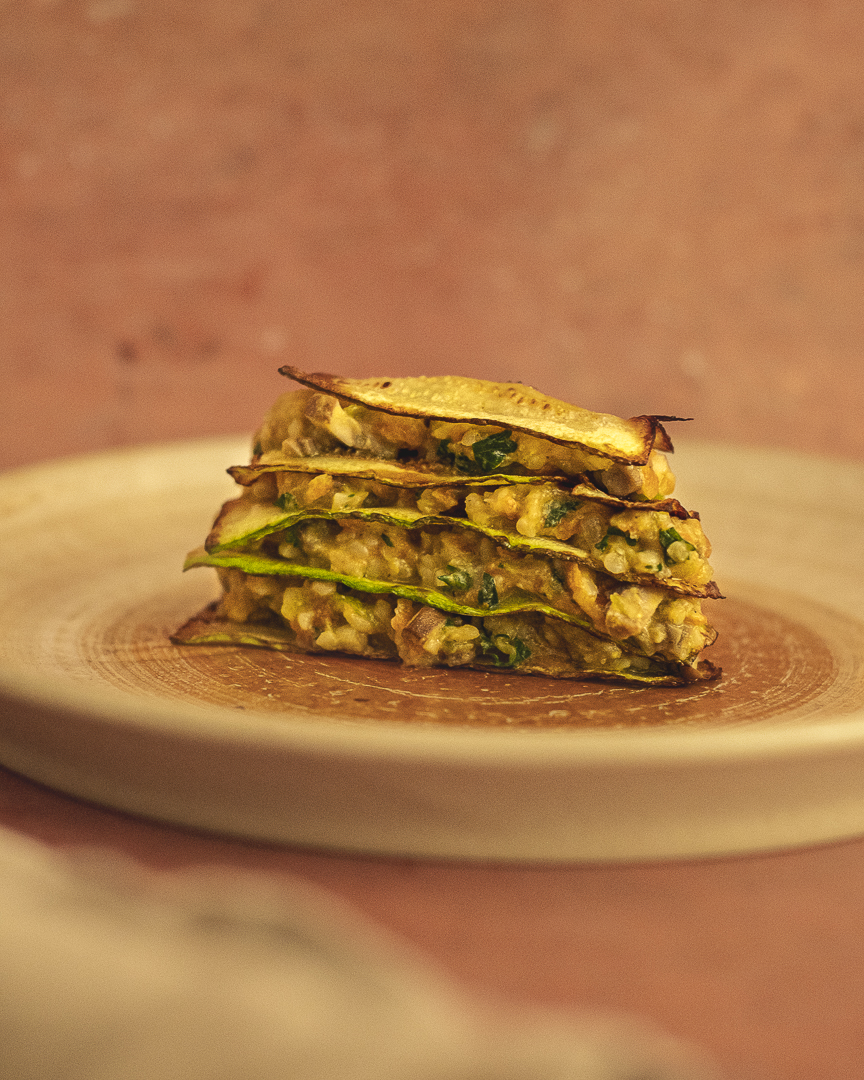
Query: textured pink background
(650,205)
(642,206)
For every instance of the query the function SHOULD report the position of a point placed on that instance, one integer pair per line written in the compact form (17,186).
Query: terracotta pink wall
(640,205)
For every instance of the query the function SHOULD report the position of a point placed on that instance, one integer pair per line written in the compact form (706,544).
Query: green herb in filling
(671,536)
(492,451)
(386,539)
(558,511)
(291,535)
(503,651)
(459,462)
(489,453)
(457,579)
(487,594)
(613,530)
(287,502)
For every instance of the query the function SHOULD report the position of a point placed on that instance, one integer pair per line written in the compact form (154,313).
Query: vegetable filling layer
(325,616)
(480,574)
(639,543)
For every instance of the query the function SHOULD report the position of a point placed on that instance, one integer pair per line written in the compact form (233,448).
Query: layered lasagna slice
(455,522)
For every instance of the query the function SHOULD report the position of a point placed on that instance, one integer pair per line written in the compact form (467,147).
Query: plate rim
(381,787)
(555,745)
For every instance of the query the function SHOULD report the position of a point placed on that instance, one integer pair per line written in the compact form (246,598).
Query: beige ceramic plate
(368,756)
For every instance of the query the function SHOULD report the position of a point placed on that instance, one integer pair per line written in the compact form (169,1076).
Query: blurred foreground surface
(116,973)
(756,960)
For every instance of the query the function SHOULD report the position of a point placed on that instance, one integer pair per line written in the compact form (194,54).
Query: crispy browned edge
(661,435)
(654,434)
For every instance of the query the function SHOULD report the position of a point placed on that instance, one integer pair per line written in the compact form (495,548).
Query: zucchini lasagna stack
(460,523)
